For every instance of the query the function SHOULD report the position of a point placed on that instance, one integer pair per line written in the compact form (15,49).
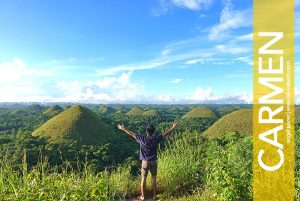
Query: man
(148,153)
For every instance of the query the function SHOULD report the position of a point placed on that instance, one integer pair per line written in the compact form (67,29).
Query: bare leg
(154,186)
(143,186)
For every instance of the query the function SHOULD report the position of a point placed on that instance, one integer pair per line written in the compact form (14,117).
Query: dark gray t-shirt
(148,146)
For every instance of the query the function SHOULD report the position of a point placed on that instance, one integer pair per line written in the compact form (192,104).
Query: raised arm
(122,127)
(167,132)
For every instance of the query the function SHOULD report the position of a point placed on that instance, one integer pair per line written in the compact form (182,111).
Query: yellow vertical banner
(273,100)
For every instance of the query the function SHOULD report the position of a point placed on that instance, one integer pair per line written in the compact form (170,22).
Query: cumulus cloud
(230,19)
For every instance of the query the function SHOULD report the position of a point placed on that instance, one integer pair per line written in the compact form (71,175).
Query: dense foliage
(191,167)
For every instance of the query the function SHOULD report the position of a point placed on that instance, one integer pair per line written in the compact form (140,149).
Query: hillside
(150,113)
(76,124)
(135,111)
(18,112)
(238,121)
(297,114)
(53,110)
(200,112)
(106,109)
(36,108)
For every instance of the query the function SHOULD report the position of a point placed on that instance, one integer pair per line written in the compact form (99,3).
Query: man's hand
(121,127)
(167,132)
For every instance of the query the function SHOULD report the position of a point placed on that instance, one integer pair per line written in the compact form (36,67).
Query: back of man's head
(150,129)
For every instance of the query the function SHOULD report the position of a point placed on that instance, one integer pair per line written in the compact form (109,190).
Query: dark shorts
(149,165)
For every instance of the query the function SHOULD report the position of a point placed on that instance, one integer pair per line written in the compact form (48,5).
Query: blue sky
(131,51)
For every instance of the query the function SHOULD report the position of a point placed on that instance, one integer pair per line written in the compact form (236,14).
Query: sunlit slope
(239,121)
(76,124)
(199,112)
(150,113)
(54,109)
(135,111)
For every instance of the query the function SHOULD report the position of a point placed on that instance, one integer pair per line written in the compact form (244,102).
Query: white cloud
(230,19)
(17,70)
(176,81)
(192,4)
(232,49)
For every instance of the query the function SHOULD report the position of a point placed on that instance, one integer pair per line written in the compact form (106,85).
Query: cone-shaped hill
(239,121)
(135,111)
(106,109)
(150,113)
(297,114)
(120,111)
(76,124)
(200,112)
(54,109)
(35,108)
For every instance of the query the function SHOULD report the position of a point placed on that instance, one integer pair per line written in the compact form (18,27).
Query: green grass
(151,113)
(76,124)
(135,111)
(200,112)
(297,114)
(239,121)
(53,110)
(106,109)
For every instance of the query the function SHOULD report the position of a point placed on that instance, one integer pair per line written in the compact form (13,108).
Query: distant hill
(150,113)
(106,109)
(200,112)
(297,114)
(53,110)
(35,108)
(135,111)
(238,121)
(18,112)
(120,111)
(76,124)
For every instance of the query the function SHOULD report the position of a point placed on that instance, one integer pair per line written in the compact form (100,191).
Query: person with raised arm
(148,153)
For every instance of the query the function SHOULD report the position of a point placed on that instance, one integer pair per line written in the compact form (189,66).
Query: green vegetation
(106,109)
(151,112)
(200,112)
(135,111)
(239,121)
(35,108)
(297,114)
(53,110)
(18,112)
(77,124)
(192,165)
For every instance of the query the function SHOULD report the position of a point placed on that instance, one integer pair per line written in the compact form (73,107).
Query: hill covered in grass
(150,113)
(200,112)
(53,110)
(135,111)
(106,109)
(76,124)
(297,114)
(239,121)
(35,108)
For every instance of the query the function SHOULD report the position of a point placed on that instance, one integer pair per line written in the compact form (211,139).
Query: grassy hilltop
(151,113)
(135,111)
(200,112)
(76,124)
(239,121)
(53,110)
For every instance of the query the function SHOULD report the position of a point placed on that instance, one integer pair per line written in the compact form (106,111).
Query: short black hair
(150,129)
